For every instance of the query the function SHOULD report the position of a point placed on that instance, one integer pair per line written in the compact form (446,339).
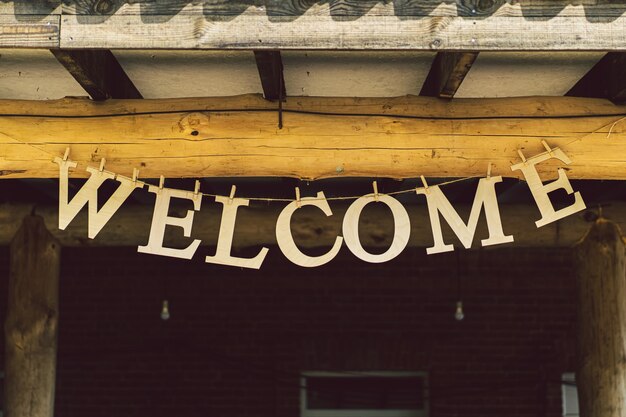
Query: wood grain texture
(31,326)
(399,236)
(285,239)
(605,80)
(447,73)
(98,72)
(321,138)
(256,226)
(29,31)
(249,31)
(350,8)
(600,269)
(462,25)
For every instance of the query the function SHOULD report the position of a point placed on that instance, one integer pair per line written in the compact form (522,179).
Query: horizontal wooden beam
(256,225)
(336,24)
(322,137)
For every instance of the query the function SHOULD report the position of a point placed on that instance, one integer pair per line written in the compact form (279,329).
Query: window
(364,394)
(569,395)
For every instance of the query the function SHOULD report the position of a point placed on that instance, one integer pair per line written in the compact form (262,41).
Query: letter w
(88,194)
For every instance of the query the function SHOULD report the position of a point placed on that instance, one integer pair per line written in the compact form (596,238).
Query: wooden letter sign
(402,228)
(485,196)
(437,202)
(160,219)
(284,238)
(540,191)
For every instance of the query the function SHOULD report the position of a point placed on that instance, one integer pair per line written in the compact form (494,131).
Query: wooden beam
(322,137)
(447,73)
(32,321)
(256,225)
(605,80)
(600,268)
(98,72)
(270,66)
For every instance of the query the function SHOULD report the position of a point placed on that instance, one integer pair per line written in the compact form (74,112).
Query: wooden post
(601,369)
(32,321)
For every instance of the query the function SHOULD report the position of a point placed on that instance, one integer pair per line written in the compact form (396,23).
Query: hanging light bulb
(165,311)
(458,314)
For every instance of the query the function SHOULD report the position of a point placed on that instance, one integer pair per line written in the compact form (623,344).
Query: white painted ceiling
(170,74)
(35,74)
(360,74)
(514,74)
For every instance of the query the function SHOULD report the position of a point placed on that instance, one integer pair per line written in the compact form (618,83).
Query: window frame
(305,412)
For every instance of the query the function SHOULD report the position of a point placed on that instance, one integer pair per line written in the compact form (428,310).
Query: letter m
(485,196)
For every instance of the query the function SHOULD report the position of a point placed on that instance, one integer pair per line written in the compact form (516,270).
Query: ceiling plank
(324,137)
(350,9)
(605,80)
(270,66)
(98,72)
(375,30)
(447,73)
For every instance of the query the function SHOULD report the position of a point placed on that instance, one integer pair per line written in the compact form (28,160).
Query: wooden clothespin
(66,154)
(375,186)
(233,189)
(298,202)
(102,163)
(135,174)
(161,182)
(521,155)
(489,170)
(548,148)
(196,188)
(424,183)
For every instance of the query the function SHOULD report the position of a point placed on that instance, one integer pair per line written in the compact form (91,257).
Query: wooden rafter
(606,79)
(270,66)
(447,73)
(98,72)
(401,137)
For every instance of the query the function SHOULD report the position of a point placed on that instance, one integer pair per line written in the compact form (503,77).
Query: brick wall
(237,339)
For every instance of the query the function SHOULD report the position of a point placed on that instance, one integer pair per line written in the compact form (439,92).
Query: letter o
(402,228)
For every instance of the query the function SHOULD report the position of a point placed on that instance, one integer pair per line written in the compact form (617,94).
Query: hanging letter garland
(438,207)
